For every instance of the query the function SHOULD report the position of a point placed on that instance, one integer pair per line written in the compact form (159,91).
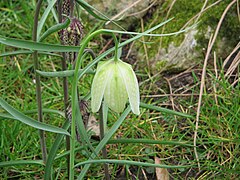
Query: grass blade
(31,45)
(134,163)
(53,152)
(55,28)
(149,141)
(104,141)
(29,121)
(44,17)
(90,9)
(164,110)
(13,53)
(8,116)
(21,162)
(67,73)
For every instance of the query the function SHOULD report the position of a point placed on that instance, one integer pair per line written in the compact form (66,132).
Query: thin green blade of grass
(29,121)
(90,9)
(133,141)
(67,73)
(134,163)
(54,13)
(104,141)
(9,116)
(44,17)
(149,141)
(21,162)
(13,53)
(164,110)
(53,152)
(153,35)
(37,46)
(45,110)
(55,28)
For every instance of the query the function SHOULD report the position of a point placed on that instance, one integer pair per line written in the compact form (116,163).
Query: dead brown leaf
(161,173)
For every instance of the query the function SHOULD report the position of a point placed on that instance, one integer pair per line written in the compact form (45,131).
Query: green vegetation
(185,13)
(154,133)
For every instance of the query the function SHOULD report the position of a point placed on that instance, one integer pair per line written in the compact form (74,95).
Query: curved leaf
(44,17)
(13,53)
(67,73)
(29,121)
(104,141)
(55,28)
(31,45)
(134,163)
(90,9)
(165,110)
(53,152)
(21,162)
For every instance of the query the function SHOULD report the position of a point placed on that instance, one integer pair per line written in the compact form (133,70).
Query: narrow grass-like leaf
(90,9)
(29,121)
(13,53)
(21,162)
(44,17)
(6,116)
(133,163)
(45,110)
(9,116)
(53,152)
(104,141)
(55,28)
(133,141)
(54,13)
(67,73)
(149,141)
(164,110)
(31,45)
(153,35)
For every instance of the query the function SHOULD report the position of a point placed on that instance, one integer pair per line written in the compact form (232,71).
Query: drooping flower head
(116,82)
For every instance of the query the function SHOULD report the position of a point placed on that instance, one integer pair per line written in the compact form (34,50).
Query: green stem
(116,47)
(38,81)
(104,150)
(74,95)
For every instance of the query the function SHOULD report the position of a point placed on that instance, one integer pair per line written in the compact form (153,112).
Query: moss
(161,64)
(182,12)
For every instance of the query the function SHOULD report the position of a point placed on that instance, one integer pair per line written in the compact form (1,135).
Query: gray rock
(177,57)
(125,12)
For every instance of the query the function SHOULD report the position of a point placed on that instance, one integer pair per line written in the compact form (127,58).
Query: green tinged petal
(131,84)
(100,81)
(117,82)
(115,93)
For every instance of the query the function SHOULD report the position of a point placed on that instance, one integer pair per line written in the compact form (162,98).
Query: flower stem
(74,93)
(65,87)
(116,47)
(104,150)
(38,81)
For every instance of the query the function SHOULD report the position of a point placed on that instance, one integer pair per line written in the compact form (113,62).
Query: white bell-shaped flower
(117,83)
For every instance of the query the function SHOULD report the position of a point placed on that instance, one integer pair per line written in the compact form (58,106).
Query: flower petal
(100,80)
(115,93)
(131,84)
